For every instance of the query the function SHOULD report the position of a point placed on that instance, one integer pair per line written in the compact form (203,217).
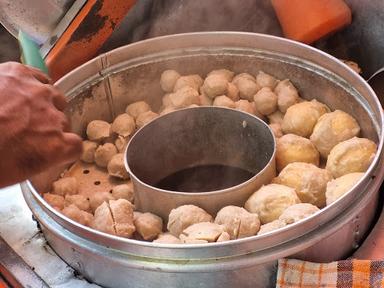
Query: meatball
(123,125)
(265,101)
(339,186)
(104,154)
(145,118)
(215,85)
(297,212)
(97,199)
(167,110)
(184,216)
(124,191)
(121,143)
(65,186)
(167,238)
(352,155)
(245,106)
(184,97)
(271,226)
(247,86)
(232,92)
(98,130)
(116,167)
(225,73)
(77,215)
(103,220)
(309,181)
(89,149)
(206,231)
(292,148)
(302,117)
(270,201)
(276,117)
(122,215)
(333,128)
(287,95)
(224,101)
(204,100)
(238,222)
(137,108)
(78,200)
(193,81)
(168,80)
(276,130)
(56,201)
(266,80)
(148,225)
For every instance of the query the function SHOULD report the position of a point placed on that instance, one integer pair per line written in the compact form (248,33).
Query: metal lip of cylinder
(160,201)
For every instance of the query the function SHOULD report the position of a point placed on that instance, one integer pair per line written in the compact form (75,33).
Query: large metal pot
(103,87)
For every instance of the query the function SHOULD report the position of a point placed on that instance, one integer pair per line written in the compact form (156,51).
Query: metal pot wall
(104,86)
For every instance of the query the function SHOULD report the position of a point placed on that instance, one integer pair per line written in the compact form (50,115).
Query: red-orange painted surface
(86,34)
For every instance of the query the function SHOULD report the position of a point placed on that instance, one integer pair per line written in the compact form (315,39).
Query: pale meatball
(168,80)
(184,216)
(276,130)
(339,186)
(270,201)
(137,108)
(78,200)
(124,191)
(167,238)
(266,80)
(297,212)
(205,100)
(292,148)
(301,118)
(232,92)
(167,110)
(148,225)
(352,155)
(116,167)
(193,81)
(224,101)
(77,215)
(103,220)
(123,125)
(309,181)
(97,199)
(65,186)
(166,100)
(224,237)
(271,226)
(227,74)
(215,85)
(145,118)
(98,130)
(276,117)
(287,95)
(333,128)
(184,97)
(247,86)
(56,201)
(89,149)
(238,222)
(245,106)
(121,143)
(104,154)
(122,215)
(265,101)
(206,231)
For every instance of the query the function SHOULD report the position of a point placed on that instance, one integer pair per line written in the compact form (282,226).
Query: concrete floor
(9,50)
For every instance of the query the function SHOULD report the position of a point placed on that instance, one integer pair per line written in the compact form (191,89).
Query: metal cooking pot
(104,86)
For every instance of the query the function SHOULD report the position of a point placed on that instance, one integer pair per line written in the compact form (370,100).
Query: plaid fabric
(341,274)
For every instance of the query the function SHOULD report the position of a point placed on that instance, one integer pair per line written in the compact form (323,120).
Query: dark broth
(204,178)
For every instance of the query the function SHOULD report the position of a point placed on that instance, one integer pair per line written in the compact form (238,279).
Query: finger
(58,99)
(73,147)
(39,75)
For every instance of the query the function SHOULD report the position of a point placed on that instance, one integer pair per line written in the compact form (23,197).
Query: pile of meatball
(319,158)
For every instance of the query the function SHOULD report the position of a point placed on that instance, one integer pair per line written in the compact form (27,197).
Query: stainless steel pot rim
(242,40)
(226,190)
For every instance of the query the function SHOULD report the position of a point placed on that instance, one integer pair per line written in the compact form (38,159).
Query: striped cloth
(341,274)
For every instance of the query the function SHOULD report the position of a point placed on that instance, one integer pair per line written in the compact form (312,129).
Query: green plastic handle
(30,53)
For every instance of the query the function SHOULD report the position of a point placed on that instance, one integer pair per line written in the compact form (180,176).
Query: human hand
(34,132)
